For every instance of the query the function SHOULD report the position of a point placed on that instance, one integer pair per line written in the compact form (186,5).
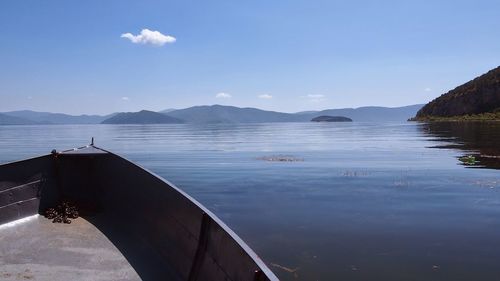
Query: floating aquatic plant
(280,158)
(467,160)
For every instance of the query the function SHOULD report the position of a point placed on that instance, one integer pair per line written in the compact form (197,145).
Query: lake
(363,201)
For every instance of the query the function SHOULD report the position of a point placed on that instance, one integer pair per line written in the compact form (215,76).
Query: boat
(133,224)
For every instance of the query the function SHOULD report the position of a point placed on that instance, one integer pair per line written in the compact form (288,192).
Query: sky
(99,57)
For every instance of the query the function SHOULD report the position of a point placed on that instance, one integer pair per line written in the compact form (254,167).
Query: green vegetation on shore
(488,116)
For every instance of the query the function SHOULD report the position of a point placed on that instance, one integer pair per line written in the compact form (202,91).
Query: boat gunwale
(258,261)
(24,160)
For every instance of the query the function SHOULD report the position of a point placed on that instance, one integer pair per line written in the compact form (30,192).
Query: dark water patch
(480,140)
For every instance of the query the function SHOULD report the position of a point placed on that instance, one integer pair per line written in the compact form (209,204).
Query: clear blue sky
(69,56)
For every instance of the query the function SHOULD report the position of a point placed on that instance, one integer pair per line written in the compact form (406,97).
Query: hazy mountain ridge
(141,117)
(371,113)
(57,118)
(478,96)
(219,114)
(231,114)
(167,110)
(12,120)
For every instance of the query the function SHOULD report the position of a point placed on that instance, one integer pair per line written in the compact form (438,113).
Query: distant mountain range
(12,120)
(232,114)
(141,117)
(210,114)
(167,110)
(478,98)
(35,117)
(369,113)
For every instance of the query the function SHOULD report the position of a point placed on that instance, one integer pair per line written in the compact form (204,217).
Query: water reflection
(479,141)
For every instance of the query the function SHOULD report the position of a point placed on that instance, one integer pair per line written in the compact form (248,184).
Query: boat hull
(163,232)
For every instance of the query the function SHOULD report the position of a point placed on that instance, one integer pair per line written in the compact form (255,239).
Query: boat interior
(133,225)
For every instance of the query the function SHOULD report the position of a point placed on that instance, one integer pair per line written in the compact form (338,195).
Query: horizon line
(174,109)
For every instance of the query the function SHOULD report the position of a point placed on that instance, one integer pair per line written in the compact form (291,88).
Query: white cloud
(265,96)
(125,98)
(427,89)
(223,96)
(315,98)
(149,37)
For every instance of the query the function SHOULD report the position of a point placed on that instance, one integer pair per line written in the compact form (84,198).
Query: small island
(326,118)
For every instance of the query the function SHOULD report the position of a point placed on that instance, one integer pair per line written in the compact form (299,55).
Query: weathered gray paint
(21,185)
(163,232)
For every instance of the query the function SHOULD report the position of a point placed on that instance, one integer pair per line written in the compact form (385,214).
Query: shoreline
(486,117)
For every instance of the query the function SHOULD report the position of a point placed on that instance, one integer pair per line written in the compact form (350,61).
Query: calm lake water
(369,201)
